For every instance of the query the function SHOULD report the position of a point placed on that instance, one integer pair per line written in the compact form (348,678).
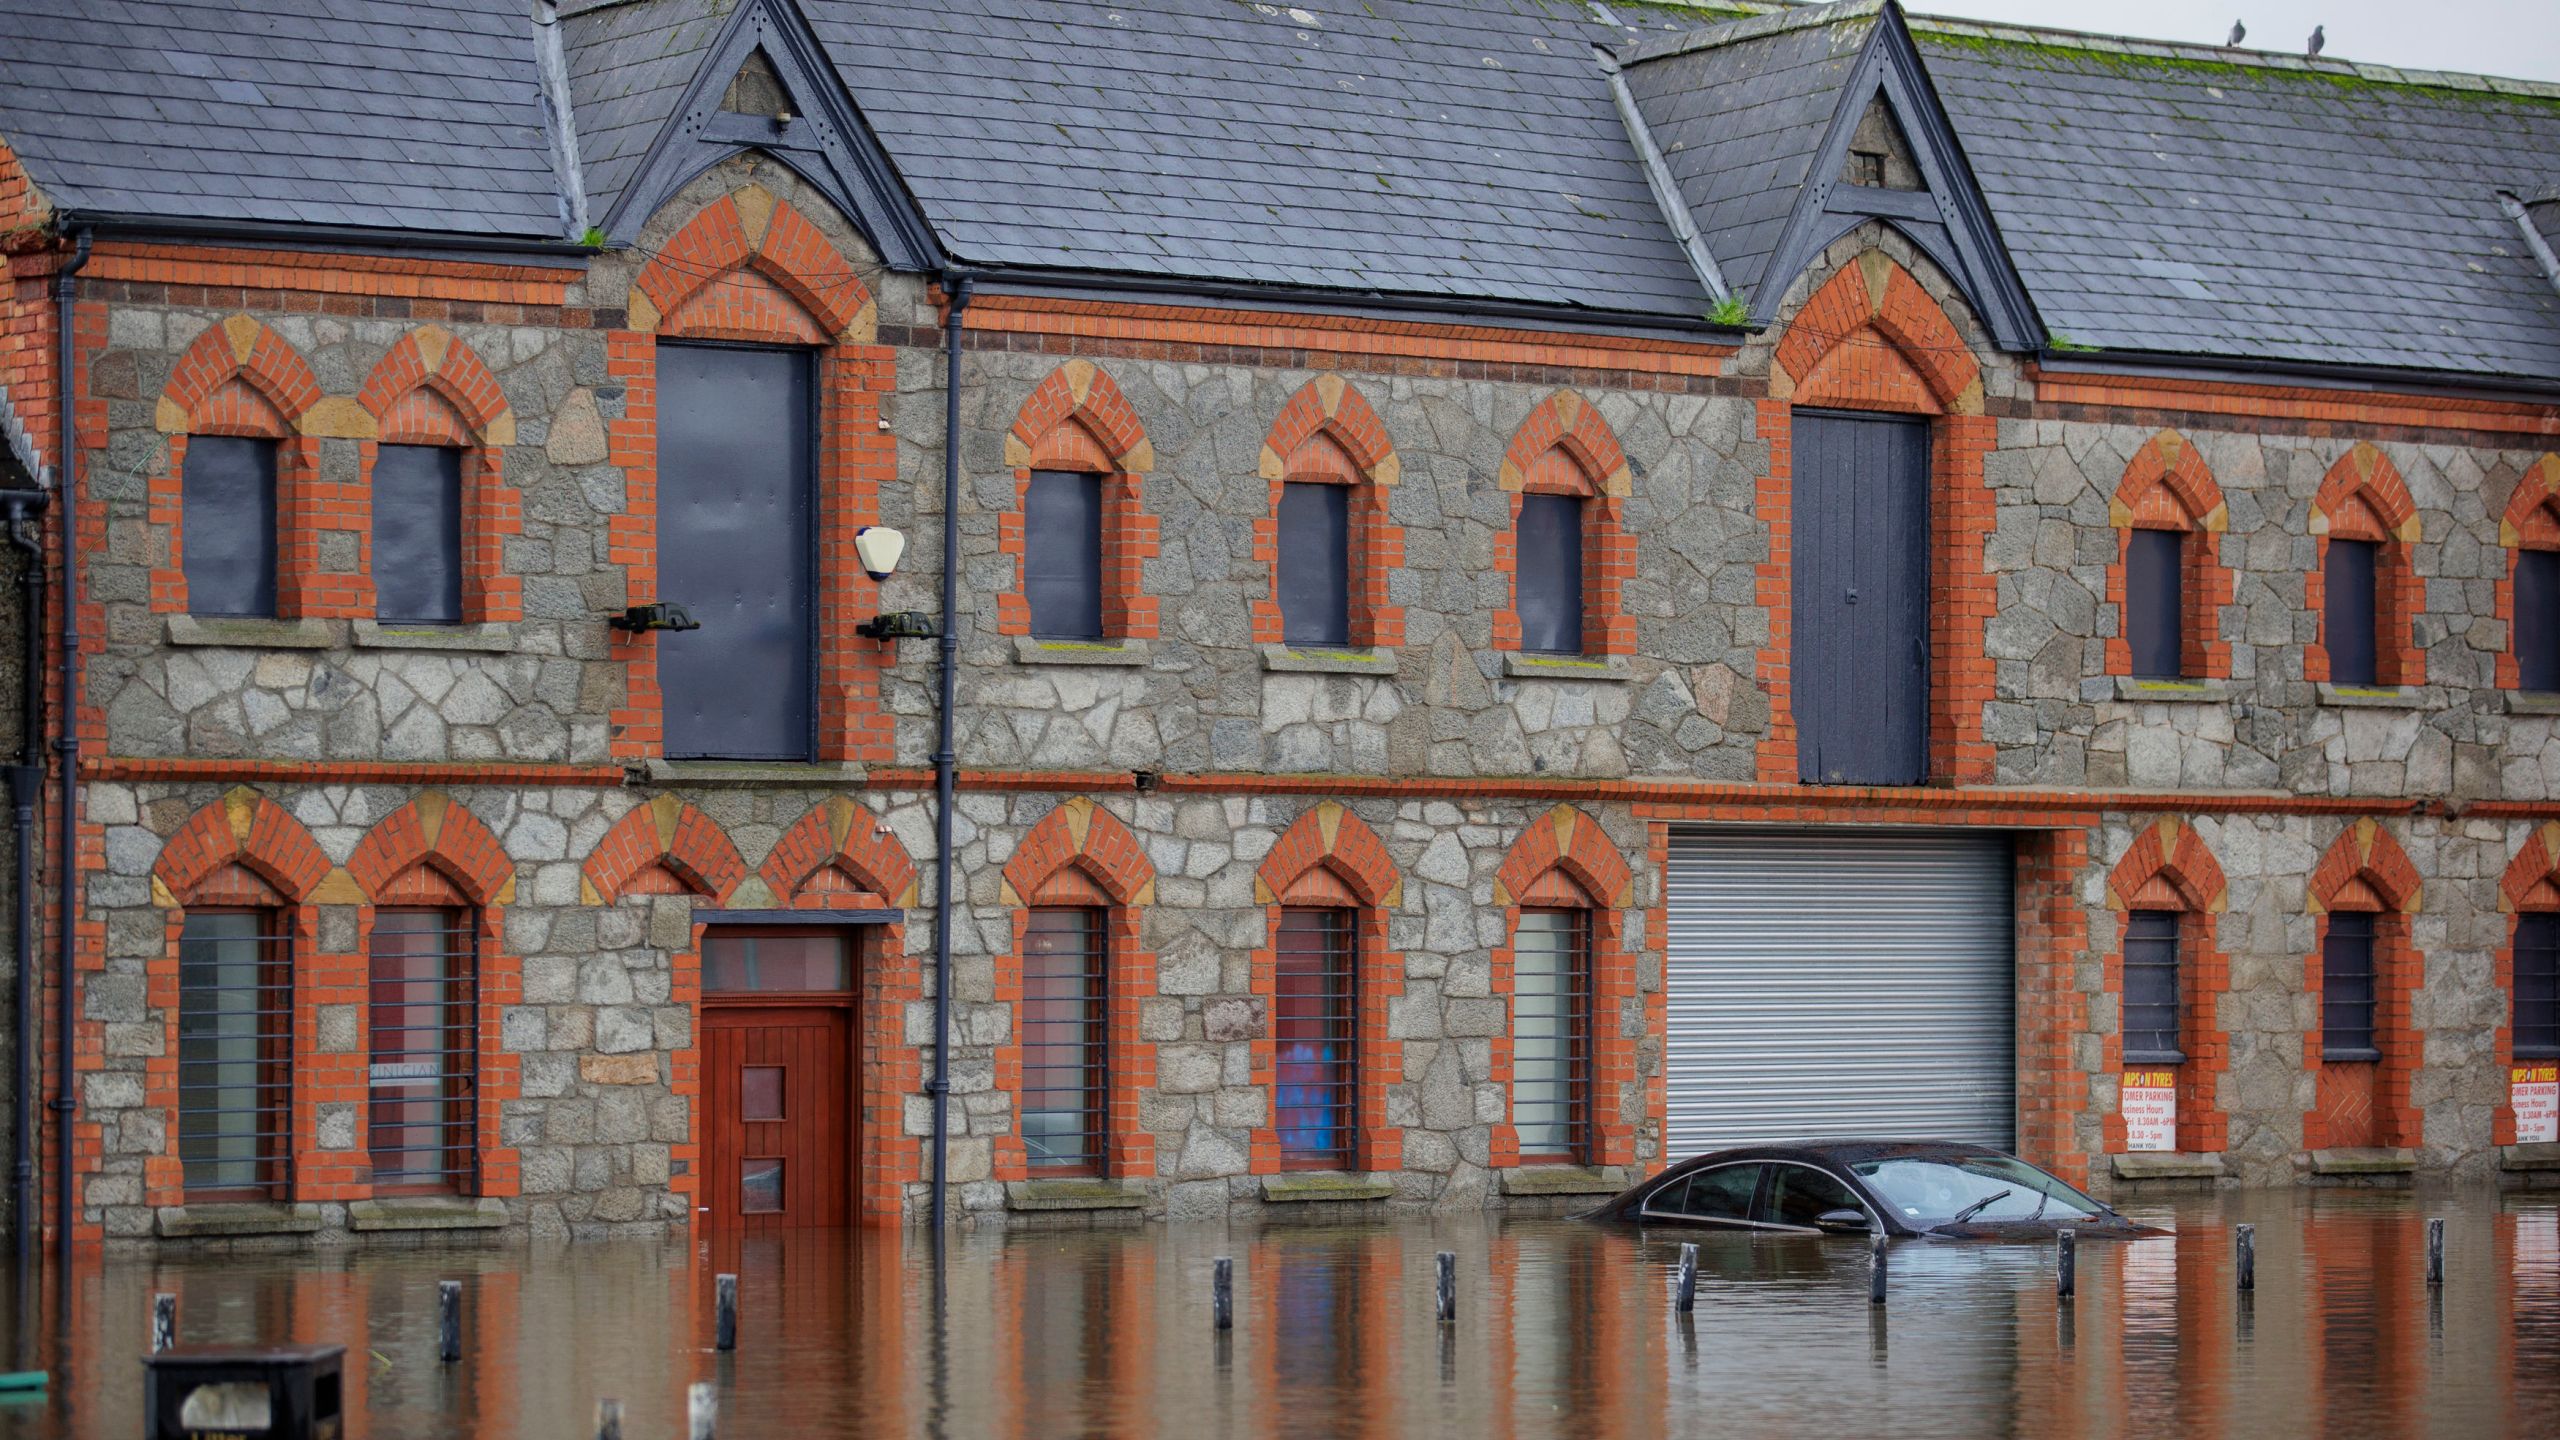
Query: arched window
(439,507)
(1326,537)
(422,1026)
(2170,974)
(1568,553)
(2528,597)
(2168,584)
(2365,1047)
(1078,529)
(1568,978)
(243,541)
(1328,978)
(2365,587)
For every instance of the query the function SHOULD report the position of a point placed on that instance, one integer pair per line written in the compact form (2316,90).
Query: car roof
(1840,1152)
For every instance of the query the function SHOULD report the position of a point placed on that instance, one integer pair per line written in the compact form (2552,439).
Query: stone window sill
(2171,692)
(427,1212)
(1566,1180)
(715,774)
(2532,1155)
(2530,702)
(374,635)
(249,632)
(2165,1165)
(2362,1161)
(1072,1195)
(1292,660)
(1030,650)
(1320,1186)
(1606,668)
(245,1218)
(2373,697)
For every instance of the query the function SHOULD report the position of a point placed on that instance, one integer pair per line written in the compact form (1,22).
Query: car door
(1795,1196)
(1722,1196)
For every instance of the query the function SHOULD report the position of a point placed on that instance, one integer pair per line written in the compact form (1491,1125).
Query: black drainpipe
(66,287)
(945,760)
(26,782)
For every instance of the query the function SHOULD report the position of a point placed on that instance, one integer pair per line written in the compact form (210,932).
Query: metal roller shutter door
(1840,983)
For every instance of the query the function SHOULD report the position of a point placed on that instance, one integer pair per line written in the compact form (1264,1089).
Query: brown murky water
(1563,1329)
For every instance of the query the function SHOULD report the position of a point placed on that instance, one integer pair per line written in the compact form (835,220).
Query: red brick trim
(1080,854)
(2363,498)
(2053,1011)
(1564,860)
(247,829)
(2168,868)
(323,273)
(1871,338)
(241,378)
(433,389)
(1566,448)
(2366,870)
(749,267)
(665,847)
(2167,487)
(352,772)
(2531,522)
(2163,400)
(840,854)
(2531,883)
(1328,434)
(1329,856)
(1078,420)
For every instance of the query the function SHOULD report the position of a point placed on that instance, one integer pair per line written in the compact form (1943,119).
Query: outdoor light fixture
(657,615)
(880,548)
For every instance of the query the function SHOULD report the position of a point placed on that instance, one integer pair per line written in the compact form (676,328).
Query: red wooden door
(778,1117)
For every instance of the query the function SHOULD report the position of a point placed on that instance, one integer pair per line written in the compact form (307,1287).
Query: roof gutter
(1658,178)
(415,243)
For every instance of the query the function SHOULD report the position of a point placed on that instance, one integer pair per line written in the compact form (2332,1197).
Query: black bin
(244,1392)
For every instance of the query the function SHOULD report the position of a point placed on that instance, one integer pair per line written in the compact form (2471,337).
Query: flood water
(1562,1329)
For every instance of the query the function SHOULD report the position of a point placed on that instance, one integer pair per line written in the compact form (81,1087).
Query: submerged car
(1865,1187)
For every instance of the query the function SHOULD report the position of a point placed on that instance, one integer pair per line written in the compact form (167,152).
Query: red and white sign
(2149,1101)
(2536,1096)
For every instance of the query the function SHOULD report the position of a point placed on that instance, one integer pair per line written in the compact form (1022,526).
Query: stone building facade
(1192,776)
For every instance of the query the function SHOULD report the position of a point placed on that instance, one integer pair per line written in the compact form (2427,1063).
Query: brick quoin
(2052,938)
(2531,522)
(1566,448)
(2363,498)
(434,389)
(1077,420)
(1082,855)
(2530,885)
(1327,434)
(2366,870)
(240,378)
(1871,338)
(1330,857)
(1563,860)
(2168,868)
(2168,487)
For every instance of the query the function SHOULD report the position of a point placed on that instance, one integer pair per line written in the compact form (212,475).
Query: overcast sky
(2491,37)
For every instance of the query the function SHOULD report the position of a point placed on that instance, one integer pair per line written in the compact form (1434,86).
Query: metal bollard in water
(2435,1250)
(724,1323)
(164,1322)
(1684,1298)
(2066,1277)
(2246,1238)
(1222,1294)
(608,1419)
(448,1320)
(1448,1287)
(1875,1270)
(702,1410)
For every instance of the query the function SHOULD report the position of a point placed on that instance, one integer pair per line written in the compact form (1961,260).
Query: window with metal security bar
(2537,986)
(1551,1035)
(2150,1027)
(2155,602)
(417,534)
(2347,989)
(1547,561)
(227,525)
(235,1054)
(1062,555)
(1314,1028)
(1064,1033)
(2350,627)
(424,1018)
(2536,628)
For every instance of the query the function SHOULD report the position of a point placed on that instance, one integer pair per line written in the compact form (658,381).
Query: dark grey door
(1860,552)
(734,542)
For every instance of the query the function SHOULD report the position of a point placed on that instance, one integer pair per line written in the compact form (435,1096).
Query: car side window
(1723,1193)
(1799,1194)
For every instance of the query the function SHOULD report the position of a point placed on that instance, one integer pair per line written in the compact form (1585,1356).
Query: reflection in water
(1563,1329)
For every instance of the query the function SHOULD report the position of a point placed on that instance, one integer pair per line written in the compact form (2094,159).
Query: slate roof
(426,114)
(628,66)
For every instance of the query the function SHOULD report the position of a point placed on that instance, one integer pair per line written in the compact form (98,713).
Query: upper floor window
(1315,563)
(417,534)
(2366,589)
(1550,559)
(2168,581)
(2537,986)
(2155,602)
(1062,560)
(2151,1012)
(235,1053)
(2349,618)
(2537,619)
(227,525)
(2347,993)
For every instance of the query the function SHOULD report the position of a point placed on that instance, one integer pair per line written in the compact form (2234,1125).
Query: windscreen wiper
(1977,1207)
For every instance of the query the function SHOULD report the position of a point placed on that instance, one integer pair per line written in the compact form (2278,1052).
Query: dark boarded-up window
(2346,989)
(2155,602)
(2537,987)
(1315,563)
(417,534)
(2348,628)
(1062,555)
(1550,574)
(2151,988)
(2537,619)
(228,525)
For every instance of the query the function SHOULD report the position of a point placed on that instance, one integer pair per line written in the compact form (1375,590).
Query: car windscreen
(1927,1192)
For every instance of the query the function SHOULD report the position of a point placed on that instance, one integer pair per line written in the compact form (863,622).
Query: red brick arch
(1085,840)
(1564,860)
(2531,522)
(839,855)
(1077,420)
(244,829)
(2363,498)
(1871,338)
(2366,870)
(749,266)
(1330,857)
(432,388)
(2531,883)
(1328,434)
(2168,867)
(2168,487)
(438,832)
(1564,447)
(665,847)
(239,352)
